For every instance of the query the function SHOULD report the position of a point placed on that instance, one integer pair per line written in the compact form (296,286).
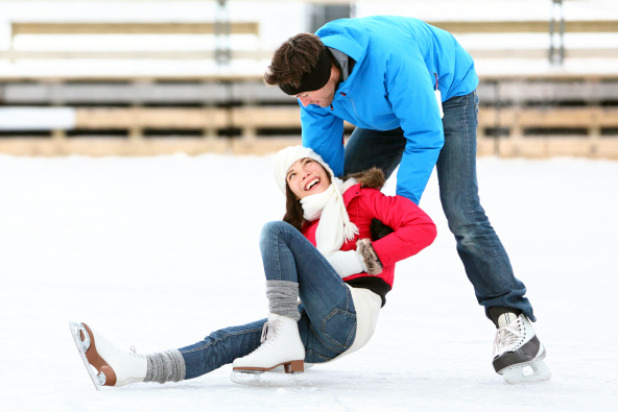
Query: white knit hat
(288,156)
(335,226)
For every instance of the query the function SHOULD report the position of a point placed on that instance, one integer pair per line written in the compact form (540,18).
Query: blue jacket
(398,62)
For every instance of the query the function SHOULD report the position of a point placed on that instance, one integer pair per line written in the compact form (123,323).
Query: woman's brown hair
(371,178)
(293,210)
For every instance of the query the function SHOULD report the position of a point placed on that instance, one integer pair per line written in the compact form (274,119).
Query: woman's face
(307,177)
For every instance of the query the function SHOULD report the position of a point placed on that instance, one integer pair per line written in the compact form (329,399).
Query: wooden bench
(208,123)
(463,28)
(526,26)
(136,119)
(251,109)
(42,28)
(591,120)
(580,132)
(131,28)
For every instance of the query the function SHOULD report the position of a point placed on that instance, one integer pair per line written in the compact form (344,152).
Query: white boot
(518,353)
(115,367)
(281,345)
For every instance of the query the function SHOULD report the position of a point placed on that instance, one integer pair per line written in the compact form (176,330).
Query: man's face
(322,97)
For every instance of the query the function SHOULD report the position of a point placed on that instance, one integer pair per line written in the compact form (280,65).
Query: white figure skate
(281,346)
(518,353)
(106,364)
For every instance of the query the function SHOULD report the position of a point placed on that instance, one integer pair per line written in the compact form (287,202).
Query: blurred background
(133,77)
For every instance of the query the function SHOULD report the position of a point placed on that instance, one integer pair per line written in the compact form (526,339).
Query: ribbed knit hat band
(288,156)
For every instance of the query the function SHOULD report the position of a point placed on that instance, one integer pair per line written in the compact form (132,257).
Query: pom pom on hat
(288,156)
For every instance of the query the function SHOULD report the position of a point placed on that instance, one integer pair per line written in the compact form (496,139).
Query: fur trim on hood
(371,178)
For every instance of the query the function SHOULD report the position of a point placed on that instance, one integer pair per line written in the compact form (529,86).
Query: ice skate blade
(289,367)
(81,337)
(535,371)
(269,379)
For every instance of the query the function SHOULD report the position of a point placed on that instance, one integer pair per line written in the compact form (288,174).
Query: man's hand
(379,229)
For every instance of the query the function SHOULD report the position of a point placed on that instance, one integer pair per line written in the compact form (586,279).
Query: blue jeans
(328,319)
(485,260)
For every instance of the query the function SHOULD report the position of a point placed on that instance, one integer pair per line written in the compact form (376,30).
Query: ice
(157,252)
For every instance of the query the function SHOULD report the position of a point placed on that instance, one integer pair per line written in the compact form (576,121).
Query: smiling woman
(307,177)
(327,258)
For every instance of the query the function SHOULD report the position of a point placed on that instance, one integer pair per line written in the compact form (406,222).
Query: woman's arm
(413,229)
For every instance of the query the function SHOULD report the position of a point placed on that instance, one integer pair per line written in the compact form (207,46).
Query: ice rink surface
(157,252)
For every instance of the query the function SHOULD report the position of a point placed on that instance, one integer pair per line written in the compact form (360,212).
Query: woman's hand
(347,262)
(371,260)
(350,262)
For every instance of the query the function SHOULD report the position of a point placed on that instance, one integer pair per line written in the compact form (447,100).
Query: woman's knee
(274,230)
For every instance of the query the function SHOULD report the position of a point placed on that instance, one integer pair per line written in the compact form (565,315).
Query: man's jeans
(328,319)
(485,260)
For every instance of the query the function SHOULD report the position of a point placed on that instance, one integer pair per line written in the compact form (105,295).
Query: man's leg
(485,259)
(372,148)
(518,354)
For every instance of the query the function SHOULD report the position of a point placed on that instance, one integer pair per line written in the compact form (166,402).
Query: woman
(321,253)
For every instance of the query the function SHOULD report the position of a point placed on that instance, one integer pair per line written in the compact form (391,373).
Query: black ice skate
(518,353)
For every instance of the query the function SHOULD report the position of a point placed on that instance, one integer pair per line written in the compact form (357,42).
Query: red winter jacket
(413,229)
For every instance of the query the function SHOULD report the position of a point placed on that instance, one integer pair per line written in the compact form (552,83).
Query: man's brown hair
(296,57)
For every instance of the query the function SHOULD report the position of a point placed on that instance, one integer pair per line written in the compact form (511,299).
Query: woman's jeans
(485,260)
(328,319)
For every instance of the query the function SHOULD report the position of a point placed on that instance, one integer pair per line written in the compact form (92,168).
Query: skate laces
(134,352)
(509,336)
(267,331)
(264,333)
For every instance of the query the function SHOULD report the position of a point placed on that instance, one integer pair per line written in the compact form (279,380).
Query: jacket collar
(351,193)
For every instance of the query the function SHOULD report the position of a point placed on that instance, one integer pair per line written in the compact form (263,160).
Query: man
(410,90)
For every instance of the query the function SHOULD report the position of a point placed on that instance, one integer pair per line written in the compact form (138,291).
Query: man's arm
(323,132)
(410,91)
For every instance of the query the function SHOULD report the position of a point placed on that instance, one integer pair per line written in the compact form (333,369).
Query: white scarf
(334,226)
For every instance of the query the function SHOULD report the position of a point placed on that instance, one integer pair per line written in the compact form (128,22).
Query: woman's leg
(327,319)
(221,347)
(328,322)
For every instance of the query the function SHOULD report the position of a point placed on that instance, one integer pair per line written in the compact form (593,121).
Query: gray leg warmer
(168,366)
(283,298)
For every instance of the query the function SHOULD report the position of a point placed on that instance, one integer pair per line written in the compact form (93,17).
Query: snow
(157,252)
